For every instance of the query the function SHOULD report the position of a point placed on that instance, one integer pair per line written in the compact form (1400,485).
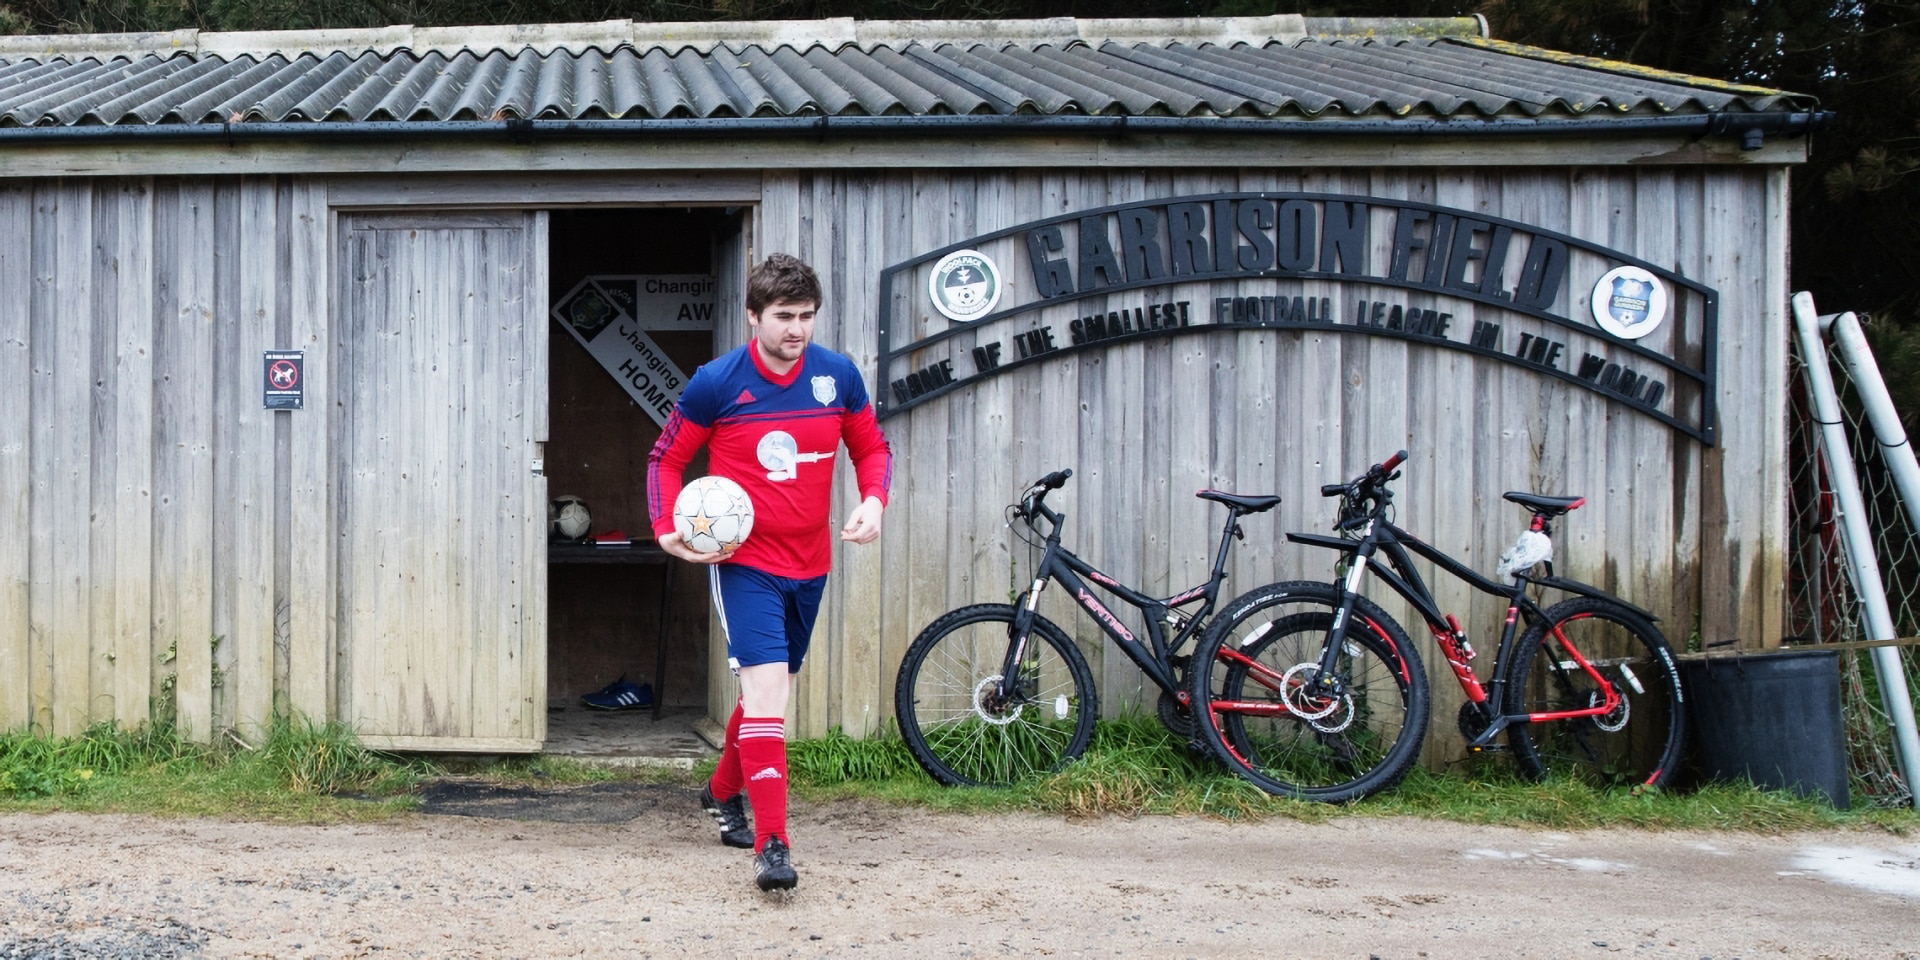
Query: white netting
(1823,603)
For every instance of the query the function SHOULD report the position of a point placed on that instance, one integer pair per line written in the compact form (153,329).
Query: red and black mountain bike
(1311,691)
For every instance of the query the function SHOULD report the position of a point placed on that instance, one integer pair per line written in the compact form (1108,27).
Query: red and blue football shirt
(778,437)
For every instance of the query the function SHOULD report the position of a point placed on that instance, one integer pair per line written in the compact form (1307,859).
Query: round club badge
(965,285)
(1629,302)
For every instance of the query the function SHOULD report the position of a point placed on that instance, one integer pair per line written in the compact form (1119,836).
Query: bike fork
(1337,636)
(1019,636)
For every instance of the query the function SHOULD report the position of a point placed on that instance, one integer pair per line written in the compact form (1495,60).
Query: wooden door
(441,410)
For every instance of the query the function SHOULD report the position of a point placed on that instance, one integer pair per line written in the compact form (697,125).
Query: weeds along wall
(169,549)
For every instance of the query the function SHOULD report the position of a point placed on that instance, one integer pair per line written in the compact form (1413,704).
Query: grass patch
(321,773)
(1135,767)
(301,771)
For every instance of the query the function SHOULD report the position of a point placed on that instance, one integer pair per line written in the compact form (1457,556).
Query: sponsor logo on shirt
(781,455)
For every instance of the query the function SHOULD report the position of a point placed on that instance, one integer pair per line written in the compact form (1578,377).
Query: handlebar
(1377,474)
(1033,503)
(1366,495)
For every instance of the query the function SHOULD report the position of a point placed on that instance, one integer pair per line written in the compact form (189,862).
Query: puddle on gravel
(588,803)
(1876,870)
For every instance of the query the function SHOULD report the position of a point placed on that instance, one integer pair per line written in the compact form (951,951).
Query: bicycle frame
(1381,536)
(1155,656)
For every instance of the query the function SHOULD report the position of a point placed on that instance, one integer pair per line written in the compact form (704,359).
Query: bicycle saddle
(1541,504)
(1240,503)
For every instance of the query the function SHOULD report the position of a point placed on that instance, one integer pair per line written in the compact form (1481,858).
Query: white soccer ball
(568,517)
(712,514)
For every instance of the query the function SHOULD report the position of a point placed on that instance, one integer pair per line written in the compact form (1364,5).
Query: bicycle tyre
(1368,738)
(1637,745)
(941,700)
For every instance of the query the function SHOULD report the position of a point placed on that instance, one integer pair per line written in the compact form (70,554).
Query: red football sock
(763,758)
(727,781)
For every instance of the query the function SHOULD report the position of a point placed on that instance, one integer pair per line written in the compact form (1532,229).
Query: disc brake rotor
(988,706)
(1294,686)
(1337,718)
(1616,719)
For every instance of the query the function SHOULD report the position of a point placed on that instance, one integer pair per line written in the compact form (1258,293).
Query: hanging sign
(1559,306)
(662,301)
(601,318)
(284,386)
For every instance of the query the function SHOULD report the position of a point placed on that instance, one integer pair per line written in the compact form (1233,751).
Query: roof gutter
(1751,128)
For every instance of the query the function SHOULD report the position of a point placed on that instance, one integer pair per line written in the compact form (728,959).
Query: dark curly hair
(781,277)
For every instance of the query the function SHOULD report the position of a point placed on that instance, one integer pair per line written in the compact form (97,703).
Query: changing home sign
(610,316)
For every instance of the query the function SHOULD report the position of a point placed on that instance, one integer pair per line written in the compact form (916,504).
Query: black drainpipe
(1751,128)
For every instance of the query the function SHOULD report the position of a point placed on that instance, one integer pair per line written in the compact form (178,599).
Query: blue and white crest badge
(824,390)
(1629,302)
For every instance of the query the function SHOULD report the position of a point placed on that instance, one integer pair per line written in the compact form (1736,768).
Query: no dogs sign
(285,386)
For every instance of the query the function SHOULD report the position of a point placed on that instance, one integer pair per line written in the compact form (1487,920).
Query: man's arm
(872,471)
(666,474)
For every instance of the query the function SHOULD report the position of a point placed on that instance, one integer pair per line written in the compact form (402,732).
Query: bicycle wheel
(1254,709)
(955,723)
(1638,742)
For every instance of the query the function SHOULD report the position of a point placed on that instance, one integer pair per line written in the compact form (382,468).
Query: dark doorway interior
(602,619)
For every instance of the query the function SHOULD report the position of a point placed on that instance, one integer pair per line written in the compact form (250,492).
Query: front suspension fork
(1324,682)
(1018,636)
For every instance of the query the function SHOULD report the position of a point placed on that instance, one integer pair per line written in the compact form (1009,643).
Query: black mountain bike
(994,693)
(1311,691)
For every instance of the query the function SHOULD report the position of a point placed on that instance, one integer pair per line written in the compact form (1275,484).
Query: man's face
(783,329)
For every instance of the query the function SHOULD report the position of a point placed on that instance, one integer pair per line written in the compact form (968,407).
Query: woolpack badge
(1629,302)
(965,285)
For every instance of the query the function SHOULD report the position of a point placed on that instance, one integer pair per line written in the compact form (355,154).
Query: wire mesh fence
(1823,601)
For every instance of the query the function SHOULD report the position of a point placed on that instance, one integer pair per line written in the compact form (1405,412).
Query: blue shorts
(768,619)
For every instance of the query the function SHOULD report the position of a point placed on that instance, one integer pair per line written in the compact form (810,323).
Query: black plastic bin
(1773,718)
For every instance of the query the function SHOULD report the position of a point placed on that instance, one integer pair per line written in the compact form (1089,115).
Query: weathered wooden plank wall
(310,567)
(1681,528)
(138,471)
(183,459)
(16,417)
(133,313)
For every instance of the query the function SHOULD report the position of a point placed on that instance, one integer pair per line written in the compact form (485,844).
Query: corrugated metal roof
(1039,70)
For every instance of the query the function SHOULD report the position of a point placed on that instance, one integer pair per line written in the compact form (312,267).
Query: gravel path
(876,882)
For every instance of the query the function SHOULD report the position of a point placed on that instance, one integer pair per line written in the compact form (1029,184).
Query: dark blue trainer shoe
(620,695)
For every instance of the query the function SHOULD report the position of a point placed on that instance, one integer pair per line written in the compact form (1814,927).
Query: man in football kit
(772,415)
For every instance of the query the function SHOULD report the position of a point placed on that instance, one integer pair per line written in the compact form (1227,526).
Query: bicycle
(1311,691)
(994,693)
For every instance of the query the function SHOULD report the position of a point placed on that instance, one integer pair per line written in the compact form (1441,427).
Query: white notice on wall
(601,317)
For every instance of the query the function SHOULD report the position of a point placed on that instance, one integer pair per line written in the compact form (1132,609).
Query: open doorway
(633,310)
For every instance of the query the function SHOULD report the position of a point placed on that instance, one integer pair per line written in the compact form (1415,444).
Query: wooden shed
(301,331)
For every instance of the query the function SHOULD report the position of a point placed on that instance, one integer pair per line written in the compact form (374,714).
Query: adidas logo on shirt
(767,773)
(744,397)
